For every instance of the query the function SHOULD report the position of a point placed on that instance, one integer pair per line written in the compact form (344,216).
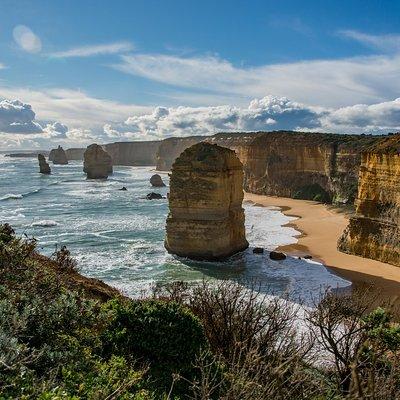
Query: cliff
(169,149)
(206,218)
(304,165)
(97,163)
(133,153)
(374,232)
(75,154)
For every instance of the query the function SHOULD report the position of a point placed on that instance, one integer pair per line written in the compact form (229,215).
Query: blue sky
(140,70)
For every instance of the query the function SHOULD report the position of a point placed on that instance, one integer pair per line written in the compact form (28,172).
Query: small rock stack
(44,167)
(156,181)
(97,163)
(206,218)
(58,156)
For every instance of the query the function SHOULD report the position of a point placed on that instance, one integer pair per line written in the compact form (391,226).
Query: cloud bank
(19,127)
(17,117)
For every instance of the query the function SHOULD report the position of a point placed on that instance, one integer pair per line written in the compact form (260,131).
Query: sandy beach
(320,228)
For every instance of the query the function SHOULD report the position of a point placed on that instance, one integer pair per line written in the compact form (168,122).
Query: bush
(158,331)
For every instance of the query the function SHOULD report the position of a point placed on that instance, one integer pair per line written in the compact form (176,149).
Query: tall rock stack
(97,163)
(44,167)
(206,218)
(374,232)
(58,156)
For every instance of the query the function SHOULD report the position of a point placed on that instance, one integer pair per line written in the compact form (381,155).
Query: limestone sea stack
(206,218)
(58,156)
(44,167)
(156,181)
(97,163)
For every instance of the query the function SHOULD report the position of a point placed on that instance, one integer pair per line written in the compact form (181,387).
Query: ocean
(117,236)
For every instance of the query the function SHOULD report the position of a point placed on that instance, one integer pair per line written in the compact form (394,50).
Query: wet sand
(321,227)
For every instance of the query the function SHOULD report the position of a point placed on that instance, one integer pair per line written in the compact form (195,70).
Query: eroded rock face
(206,218)
(97,163)
(58,156)
(133,153)
(312,166)
(374,232)
(156,181)
(44,167)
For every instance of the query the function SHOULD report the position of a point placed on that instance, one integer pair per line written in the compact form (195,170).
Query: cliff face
(97,163)
(169,149)
(374,232)
(133,153)
(206,219)
(75,154)
(314,166)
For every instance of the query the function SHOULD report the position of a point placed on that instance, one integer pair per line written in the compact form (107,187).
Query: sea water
(118,236)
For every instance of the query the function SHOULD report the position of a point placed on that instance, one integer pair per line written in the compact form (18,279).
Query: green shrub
(155,330)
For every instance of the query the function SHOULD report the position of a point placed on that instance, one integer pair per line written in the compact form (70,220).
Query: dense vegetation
(60,339)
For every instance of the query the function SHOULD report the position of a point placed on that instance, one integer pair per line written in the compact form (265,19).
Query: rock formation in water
(133,153)
(206,218)
(44,167)
(374,232)
(154,196)
(58,156)
(97,163)
(156,181)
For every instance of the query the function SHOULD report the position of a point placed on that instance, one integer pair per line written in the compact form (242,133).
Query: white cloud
(328,83)
(26,39)
(381,117)
(17,117)
(74,108)
(386,43)
(2,66)
(95,50)
(55,130)
(268,113)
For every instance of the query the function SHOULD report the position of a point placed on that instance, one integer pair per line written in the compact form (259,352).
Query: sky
(78,72)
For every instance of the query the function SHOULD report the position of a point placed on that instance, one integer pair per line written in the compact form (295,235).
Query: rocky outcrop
(58,156)
(133,153)
(97,163)
(75,154)
(44,167)
(154,196)
(206,218)
(374,231)
(156,181)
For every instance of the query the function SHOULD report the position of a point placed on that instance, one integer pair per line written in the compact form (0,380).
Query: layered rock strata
(374,231)
(97,163)
(304,165)
(44,167)
(206,218)
(58,156)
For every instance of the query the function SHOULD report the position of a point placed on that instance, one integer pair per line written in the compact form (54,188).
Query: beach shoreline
(320,227)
